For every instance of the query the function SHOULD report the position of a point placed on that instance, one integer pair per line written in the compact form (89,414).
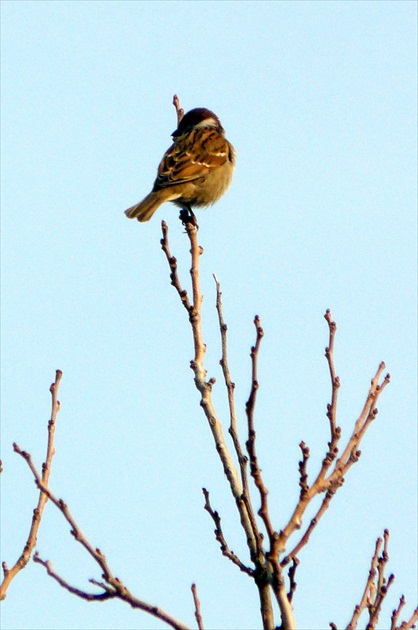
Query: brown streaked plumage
(195,171)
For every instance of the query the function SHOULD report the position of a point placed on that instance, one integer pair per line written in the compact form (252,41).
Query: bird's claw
(188,216)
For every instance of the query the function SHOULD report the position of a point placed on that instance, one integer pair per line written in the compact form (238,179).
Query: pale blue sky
(319,99)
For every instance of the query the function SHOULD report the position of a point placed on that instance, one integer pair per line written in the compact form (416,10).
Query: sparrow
(195,171)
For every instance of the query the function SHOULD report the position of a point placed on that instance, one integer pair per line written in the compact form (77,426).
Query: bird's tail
(144,210)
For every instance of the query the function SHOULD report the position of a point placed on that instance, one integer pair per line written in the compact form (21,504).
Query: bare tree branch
(376,587)
(179,110)
(112,585)
(335,383)
(230,386)
(396,612)
(75,591)
(24,558)
(172,261)
(233,428)
(197,365)
(303,472)
(262,572)
(226,551)
(263,512)
(313,523)
(351,454)
(375,592)
(405,625)
(269,563)
(250,444)
(197,608)
(292,582)
(327,480)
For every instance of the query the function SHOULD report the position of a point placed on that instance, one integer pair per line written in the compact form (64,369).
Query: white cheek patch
(208,122)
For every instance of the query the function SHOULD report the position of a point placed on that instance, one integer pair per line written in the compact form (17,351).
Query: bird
(195,171)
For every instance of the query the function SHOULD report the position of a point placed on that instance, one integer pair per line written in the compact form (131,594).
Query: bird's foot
(188,216)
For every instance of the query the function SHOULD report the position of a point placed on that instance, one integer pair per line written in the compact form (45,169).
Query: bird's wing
(195,157)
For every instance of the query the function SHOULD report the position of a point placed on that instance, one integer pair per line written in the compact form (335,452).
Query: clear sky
(319,99)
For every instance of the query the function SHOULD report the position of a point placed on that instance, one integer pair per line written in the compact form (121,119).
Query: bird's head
(196,119)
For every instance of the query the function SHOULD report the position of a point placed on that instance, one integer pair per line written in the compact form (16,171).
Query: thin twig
(219,535)
(408,625)
(230,386)
(172,261)
(250,444)
(368,414)
(396,612)
(267,564)
(313,523)
(405,625)
(382,585)
(268,571)
(303,473)
(197,613)
(233,428)
(179,110)
(376,587)
(72,589)
(335,383)
(24,558)
(335,430)
(292,582)
(367,589)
